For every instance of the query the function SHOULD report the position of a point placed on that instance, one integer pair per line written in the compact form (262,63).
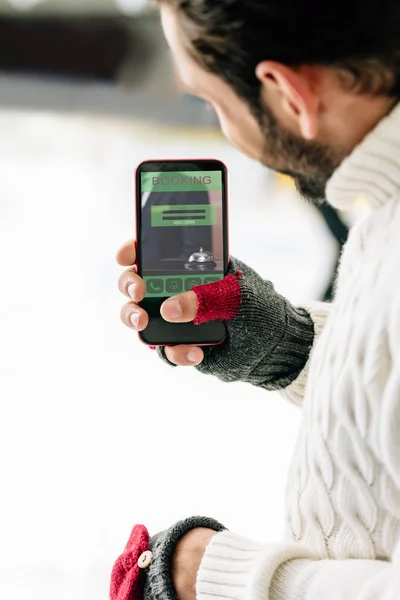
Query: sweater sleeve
(239,569)
(319,312)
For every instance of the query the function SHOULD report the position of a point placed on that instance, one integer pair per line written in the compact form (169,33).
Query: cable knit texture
(343,494)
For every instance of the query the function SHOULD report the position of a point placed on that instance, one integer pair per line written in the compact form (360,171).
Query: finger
(132,286)
(126,256)
(134,317)
(180,309)
(184,356)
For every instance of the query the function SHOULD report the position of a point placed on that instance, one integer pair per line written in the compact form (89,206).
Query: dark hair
(361,39)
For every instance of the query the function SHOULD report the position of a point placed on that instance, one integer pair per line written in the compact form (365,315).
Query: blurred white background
(96,434)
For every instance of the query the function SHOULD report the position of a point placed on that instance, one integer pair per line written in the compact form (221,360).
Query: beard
(311,164)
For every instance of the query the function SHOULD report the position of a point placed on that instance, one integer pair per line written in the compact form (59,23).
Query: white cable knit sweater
(343,496)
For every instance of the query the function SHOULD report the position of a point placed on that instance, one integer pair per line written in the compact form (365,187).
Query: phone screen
(182,234)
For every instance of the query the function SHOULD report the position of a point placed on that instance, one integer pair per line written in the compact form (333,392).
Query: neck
(372,171)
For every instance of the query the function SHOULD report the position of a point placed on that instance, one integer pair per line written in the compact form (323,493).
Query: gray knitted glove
(268,340)
(144,570)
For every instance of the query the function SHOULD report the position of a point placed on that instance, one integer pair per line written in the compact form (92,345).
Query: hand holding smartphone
(190,201)
(182,242)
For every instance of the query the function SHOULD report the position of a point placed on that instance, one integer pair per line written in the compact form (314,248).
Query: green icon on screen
(155,286)
(211,279)
(191,282)
(174,286)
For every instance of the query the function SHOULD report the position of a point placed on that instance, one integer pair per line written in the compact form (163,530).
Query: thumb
(180,309)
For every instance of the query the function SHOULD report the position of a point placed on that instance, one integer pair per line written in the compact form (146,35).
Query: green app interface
(182,230)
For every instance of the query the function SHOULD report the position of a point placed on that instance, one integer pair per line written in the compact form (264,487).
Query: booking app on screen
(182,230)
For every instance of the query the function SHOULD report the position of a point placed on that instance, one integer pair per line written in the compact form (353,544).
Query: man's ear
(295,93)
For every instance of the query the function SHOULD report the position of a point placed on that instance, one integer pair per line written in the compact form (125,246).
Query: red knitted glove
(219,300)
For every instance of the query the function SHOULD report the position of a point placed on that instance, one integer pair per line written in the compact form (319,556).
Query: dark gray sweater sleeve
(268,342)
(159,581)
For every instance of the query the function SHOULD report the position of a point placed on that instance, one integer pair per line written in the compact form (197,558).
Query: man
(310,89)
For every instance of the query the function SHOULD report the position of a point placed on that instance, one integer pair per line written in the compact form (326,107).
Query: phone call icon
(155,286)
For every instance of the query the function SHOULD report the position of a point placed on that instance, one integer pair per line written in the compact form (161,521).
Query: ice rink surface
(96,434)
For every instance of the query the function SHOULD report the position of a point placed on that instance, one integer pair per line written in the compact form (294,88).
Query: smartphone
(182,241)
